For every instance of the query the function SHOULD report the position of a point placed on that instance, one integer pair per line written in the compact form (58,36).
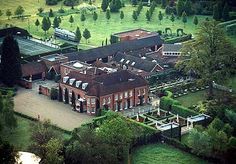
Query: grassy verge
(20,137)
(164,154)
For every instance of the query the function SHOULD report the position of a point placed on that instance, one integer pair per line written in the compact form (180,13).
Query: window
(144,90)
(130,93)
(126,94)
(121,95)
(139,92)
(109,100)
(131,103)
(104,101)
(116,97)
(88,100)
(92,100)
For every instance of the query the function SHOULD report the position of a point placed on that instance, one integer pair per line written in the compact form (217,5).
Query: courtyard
(30,103)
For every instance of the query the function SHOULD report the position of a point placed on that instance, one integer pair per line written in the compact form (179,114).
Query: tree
(78,34)
(184,18)
(188,7)
(225,12)
(53,153)
(116,132)
(71,20)
(82,18)
(140,7)
(163,4)
(40,10)
(148,16)
(37,23)
(10,61)
(210,59)
(121,15)
(195,20)
(19,11)
(115,5)
(8,154)
(180,7)
(87,147)
(86,34)
(134,16)
(104,5)
(95,16)
(172,18)
(56,22)
(160,17)
(45,24)
(50,14)
(134,2)
(108,15)
(216,12)
(42,134)
(8,14)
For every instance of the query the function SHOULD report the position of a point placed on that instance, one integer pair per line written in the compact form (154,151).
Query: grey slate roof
(172,47)
(139,63)
(105,51)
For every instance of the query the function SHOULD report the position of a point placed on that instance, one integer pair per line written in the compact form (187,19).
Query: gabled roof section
(105,51)
(135,62)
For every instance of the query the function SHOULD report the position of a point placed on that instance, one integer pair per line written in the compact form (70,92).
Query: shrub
(231,29)
(166,102)
(179,39)
(182,111)
(54,94)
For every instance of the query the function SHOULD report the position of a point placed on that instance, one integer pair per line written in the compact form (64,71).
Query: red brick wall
(44,90)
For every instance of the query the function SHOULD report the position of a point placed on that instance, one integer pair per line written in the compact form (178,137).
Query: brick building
(117,91)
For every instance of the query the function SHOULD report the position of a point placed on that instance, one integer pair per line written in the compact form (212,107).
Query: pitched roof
(105,51)
(172,47)
(33,68)
(109,83)
(135,62)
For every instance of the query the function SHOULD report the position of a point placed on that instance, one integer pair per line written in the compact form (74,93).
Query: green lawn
(163,154)
(232,82)
(20,137)
(192,98)
(100,30)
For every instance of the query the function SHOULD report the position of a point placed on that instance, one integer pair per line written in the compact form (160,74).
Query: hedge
(166,102)
(182,111)
(179,39)
(168,94)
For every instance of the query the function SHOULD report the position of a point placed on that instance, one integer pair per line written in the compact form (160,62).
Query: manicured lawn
(100,30)
(20,137)
(192,98)
(163,154)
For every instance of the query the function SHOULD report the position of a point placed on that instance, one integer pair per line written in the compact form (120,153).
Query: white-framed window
(92,100)
(126,94)
(88,100)
(121,95)
(104,101)
(126,104)
(139,92)
(131,103)
(108,100)
(121,106)
(116,97)
(144,100)
(130,93)
(144,91)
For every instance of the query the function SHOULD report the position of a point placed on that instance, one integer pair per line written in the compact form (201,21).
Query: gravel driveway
(30,103)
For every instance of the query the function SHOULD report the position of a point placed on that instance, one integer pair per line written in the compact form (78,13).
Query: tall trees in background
(122,15)
(210,59)
(10,61)
(86,34)
(71,20)
(37,23)
(19,11)
(46,24)
(104,5)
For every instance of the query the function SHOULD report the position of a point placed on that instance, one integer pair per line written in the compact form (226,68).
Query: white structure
(171,49)
(27,158)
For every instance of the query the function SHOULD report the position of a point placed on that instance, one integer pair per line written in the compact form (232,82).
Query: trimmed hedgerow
(182,111)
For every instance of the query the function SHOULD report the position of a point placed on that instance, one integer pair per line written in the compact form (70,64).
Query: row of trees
(18,12)
(114,5)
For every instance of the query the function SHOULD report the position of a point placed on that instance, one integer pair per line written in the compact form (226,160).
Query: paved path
(30,103)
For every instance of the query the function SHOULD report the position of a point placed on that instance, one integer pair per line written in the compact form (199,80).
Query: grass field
(192,98)
(163,154)
(100,30)
(20,137)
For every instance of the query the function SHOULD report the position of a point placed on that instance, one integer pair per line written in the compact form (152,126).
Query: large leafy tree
(212,55)
(115,131)
(10,61)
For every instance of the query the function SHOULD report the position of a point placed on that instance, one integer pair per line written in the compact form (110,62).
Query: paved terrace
(30,103)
